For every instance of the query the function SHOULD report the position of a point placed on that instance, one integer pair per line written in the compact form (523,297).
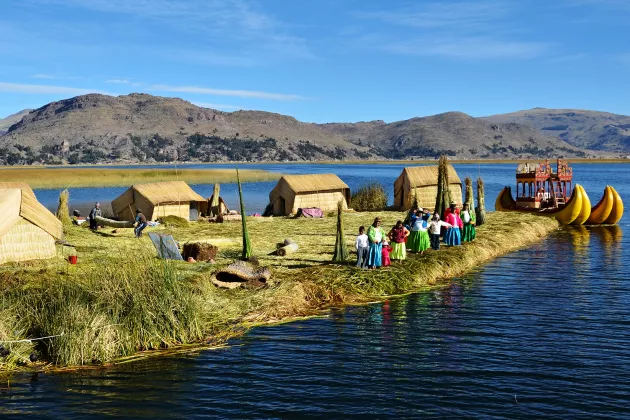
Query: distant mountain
(7,122)
(454,134)
(585,129)
(144,128)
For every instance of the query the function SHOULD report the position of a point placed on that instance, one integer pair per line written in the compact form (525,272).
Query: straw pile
(63,212)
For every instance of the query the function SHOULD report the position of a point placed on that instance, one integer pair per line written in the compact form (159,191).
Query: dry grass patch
(120,299)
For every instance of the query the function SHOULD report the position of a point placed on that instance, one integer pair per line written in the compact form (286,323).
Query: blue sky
(322,61)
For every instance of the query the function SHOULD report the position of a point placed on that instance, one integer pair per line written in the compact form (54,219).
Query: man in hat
(141,221)
(94,213)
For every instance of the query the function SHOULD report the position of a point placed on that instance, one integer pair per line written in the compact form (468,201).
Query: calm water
(543,332)
(256,195)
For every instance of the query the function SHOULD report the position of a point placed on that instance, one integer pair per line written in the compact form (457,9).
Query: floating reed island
(120,301)
(66,177)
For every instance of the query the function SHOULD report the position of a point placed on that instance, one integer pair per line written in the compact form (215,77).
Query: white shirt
(362,241)
(434,226)
(466,216)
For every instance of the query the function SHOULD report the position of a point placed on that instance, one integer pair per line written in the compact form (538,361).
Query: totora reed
(119,299)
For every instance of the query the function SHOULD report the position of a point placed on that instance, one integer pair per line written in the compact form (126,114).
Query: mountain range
(131,128)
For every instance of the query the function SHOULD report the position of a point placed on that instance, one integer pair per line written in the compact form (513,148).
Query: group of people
(375,248)
(140,221)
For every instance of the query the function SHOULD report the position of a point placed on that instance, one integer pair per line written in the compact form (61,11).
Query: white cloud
(465,30)
(470,48)
(217,106)
(118,81)
(226,92)
(568,57)
(457,15)
(43,76)
(45,89)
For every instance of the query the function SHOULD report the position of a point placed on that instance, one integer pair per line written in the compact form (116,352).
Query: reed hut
(323,191)
(159,199)
(421,181)
(28,230)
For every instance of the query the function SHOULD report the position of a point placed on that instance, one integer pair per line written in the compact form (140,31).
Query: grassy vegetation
(371,197)
(120,299)
(38,177)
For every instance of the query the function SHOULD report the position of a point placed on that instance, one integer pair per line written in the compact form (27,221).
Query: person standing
(468,217)
(419,237)
(453,235)
(362,246)
(435,225)
(375,235)
(398,235)
(141,221)
(94,213)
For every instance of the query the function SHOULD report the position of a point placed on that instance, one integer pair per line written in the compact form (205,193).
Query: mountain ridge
(594,130)
(138,127)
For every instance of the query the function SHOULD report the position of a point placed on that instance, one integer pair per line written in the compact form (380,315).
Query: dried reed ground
(119,299)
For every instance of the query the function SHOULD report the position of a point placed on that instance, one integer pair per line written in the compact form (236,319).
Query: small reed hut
(422,181)
(28,230)
(159,199)
(323,191)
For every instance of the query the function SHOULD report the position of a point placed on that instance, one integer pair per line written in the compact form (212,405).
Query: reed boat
(541,191)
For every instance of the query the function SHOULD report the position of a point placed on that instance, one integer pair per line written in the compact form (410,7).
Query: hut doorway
(194,211)
(279,206)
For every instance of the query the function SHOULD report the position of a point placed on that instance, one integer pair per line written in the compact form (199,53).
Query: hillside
(144,128)
(458,134)
(7,122)
(586,129)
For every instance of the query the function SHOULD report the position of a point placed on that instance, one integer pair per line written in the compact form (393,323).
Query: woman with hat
(375,235)
(419,236)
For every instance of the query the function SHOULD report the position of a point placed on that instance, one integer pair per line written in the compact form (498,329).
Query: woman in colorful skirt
(468,217)
(419,236)
(375,235)
(453,236)
(397,237)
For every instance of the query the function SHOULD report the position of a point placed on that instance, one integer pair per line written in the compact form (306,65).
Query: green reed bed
(120,299)
(94,176)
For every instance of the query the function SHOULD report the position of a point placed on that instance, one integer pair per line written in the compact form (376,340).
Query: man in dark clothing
(141,221)
(96,211)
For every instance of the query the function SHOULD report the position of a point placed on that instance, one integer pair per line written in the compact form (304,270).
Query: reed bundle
(480,210)
(341,247)
(63,211)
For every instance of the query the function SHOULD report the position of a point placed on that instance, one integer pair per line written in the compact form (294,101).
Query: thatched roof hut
(28,230)
(422,181)
(302,191)
(158,199)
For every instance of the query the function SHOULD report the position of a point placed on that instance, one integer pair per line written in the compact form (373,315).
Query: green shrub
(371,197)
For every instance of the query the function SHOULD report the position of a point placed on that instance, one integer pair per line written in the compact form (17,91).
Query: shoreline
(303,285)
(141,165)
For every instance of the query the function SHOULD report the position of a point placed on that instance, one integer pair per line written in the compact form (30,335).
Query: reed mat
(120,300)
(94,176)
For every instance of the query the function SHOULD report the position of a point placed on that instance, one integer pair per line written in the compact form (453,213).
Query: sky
(322,61)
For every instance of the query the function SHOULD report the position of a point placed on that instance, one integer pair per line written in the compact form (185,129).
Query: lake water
(256,195)
(539,333)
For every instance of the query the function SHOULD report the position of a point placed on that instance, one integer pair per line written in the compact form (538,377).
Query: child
(385,254)
(362,246)
(434,231)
